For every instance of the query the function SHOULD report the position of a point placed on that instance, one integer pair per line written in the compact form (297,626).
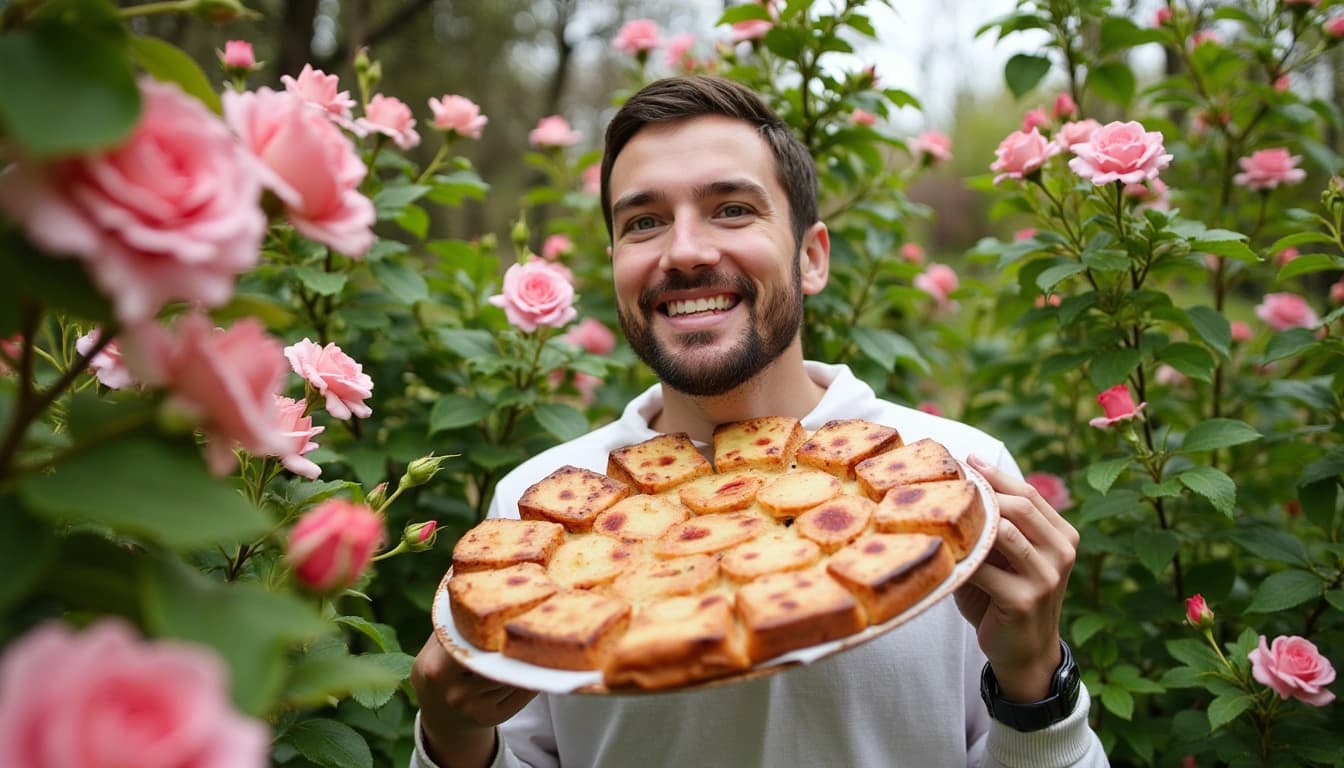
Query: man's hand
(1014,598)
(460,709)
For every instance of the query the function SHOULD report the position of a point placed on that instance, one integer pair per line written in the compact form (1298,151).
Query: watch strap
(1034,716)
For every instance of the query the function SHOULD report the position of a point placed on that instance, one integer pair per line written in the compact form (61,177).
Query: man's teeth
(715,303)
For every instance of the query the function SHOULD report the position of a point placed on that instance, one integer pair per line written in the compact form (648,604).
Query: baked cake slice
(708,534)
(715,494)
(786,611)
(775,552)
(639,518)
(951,509)
(923,461)
(835,523)
(889,572)
(840,444)
(658,463)
(571,630)
(571,496)
(483,601)
(499,542)
(796,491)
(590,562)
(678,641)
(655,578)
(767,443)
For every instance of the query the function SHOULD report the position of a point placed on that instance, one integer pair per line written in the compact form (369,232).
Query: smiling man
(711,205)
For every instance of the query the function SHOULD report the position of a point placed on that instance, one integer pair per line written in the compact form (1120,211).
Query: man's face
(706,269)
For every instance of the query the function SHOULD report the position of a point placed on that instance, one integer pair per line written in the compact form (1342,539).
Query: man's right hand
(460,709)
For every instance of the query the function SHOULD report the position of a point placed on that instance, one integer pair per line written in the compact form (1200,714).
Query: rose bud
(333,543)
(419,537)
(1197,612)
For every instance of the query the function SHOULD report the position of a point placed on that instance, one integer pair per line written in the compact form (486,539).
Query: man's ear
(815,258)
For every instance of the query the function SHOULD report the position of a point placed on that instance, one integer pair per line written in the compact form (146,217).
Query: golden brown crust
(767,443)
(787,611)
(654,578)
(571,630)
(572,497)
(590,562)
(773,552)
(658,463)
(483,601)
(889,572)
(709,534)
(923,461)
(951,509)
(503,542)
(676,642)
(640,518)
(840,444)
(716,494)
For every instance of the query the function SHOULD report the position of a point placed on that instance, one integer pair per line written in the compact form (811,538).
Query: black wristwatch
(1054,707)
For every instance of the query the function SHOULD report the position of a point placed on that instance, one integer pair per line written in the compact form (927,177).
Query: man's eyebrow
(731,187)
(634,200)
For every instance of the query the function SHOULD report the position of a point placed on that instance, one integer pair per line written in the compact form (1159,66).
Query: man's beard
(770,330)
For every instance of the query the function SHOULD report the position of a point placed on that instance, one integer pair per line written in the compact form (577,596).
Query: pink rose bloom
(309,164)
(1161,16)
(1241,332)
(1168,376)
(1334,27)
(319,89)
(335,375)
(553,131)
(938,280)
(459,115)
(535,294)
(225,381)
(1065,106)
(103,698)
(930,407)
(1053,300)
(1052,488)
(1337,292)
(1197,612)
(1291,666)
(107,365)
(333,543)
(862,117)
(932,146)
(1118,405)
(1122,152)
(1076,132)
(1021,154)
(637,37)
(749,29)
(592,336)
(1286,255)
(592,180)
(1282,311)
(1151,194)
(1281,83)
(297,430)
(171,213)
(913,253)
(677,51)
(556,246)
(392,118)
(1034,118)
(1025,233)
(587,385)
(560,269)
(237,54)
(1268,168)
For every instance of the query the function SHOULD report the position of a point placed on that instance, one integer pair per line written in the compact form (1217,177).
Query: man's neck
(782,389)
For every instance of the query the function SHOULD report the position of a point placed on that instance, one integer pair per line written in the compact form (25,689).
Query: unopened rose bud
(521,236)
(419,537)
(1197,613)
(362,61)
(422,470)
(332,544)
(377,497)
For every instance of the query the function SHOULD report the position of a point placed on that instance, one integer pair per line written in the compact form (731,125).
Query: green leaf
(886,347)
(27,547)
(77,91)
(329,743)
(395,664)
(468,343)
(1285,589)
(1051,277)
(455,411)
(1023,71)
(1223,242)
(1155,547)
(155,489)
(1293,341)
(61,284)
(450,189)
(1118,701)
(1274,545)
(1087,625)
(1218,433)
(490,456)
(563,422)
(1307,264)
(1102,475)
(1299,238)
(414,220)
(1111,366)
(1190,359)
(320,281)
(383,635)
(389,201)
(1225,709)
(743,12)
(1328,467)
(1213,485)
(1194,653)
(1112,81)
(1131,679)
(1106,260)
(785,42)
(1212,327)
(317,677)
(401,281)
(170,64)
(1119,32)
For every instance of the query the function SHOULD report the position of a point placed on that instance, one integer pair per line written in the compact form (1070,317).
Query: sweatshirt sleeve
(531,745)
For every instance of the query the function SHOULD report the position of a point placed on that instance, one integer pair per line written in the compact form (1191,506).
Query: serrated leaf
(1190,359)
(1299,238)
(1273,545)
(1218,433)
(1023,71)
(1118,701)
(1194,653)
(1329,466)
(1102,475)
(1051,277)
(886,347)
(1155,547)
(456,411)
(317,677)
(389,201)
(1087,625)
(329,743)
(563,422)
(382,635)
(468,343)
(1285,589)
(1305,265)
(1110,367)
(1225,709)
(397,664)
(401,281)
(1289,343)
(1213,485)
(1212,327)
(319,281)
(1225,243)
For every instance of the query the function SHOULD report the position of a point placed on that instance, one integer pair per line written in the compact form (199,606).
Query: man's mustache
(679,281)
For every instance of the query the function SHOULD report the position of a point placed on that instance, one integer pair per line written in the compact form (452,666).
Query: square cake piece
(571,630)
(501,542)
(889,572)
(658,463)
(767,443)
(715,494)
(923,461)
(951,509)
(482,601)
(640,518)
(571,496)
(839,445)
(835,523)
(678,641)
(786,611)
(797,491)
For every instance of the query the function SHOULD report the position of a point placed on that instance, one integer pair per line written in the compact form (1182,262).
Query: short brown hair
(681,98)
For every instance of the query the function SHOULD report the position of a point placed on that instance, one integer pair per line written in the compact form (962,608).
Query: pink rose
(223,380)
(1118,404)
(930,407)
(333,543)
(1021,154)
(535,294)
(1285,256)
(1151,194)
(749,29)
(309,164)
(556,246)
(560,269)
(1076,132)
(1281,83)
(319,89)
(335,375)
(107,365)
(553,131)
(592,180)
(1053,300)
(1169,377)
(1034,118)
(939,281)
(587,385)
(1122,152)
(677,51)
(637,37)
(1161,16)
(913,253)
(1282,311)
(1337,292)
(297,430)
(171,213)
(102,698)
(459,115)
(932,147)
(862,117)
(1241,332)
(1065,106)
(1291,666)
(1052,488)
(392,118)
(1026,233)
(1268,168)
(1334,27)
(592,336)
(238,55)
(1197,612)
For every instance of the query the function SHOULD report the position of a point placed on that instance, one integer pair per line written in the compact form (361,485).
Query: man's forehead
(695,152)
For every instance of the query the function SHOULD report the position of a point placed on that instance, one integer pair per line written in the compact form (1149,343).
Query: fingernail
(975,460)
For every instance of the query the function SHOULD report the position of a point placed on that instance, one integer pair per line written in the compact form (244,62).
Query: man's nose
(690,246)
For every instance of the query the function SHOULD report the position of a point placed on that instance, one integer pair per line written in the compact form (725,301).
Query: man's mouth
(720,303)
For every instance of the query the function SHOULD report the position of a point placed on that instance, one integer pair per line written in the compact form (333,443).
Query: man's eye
(733,210)
(641,222)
